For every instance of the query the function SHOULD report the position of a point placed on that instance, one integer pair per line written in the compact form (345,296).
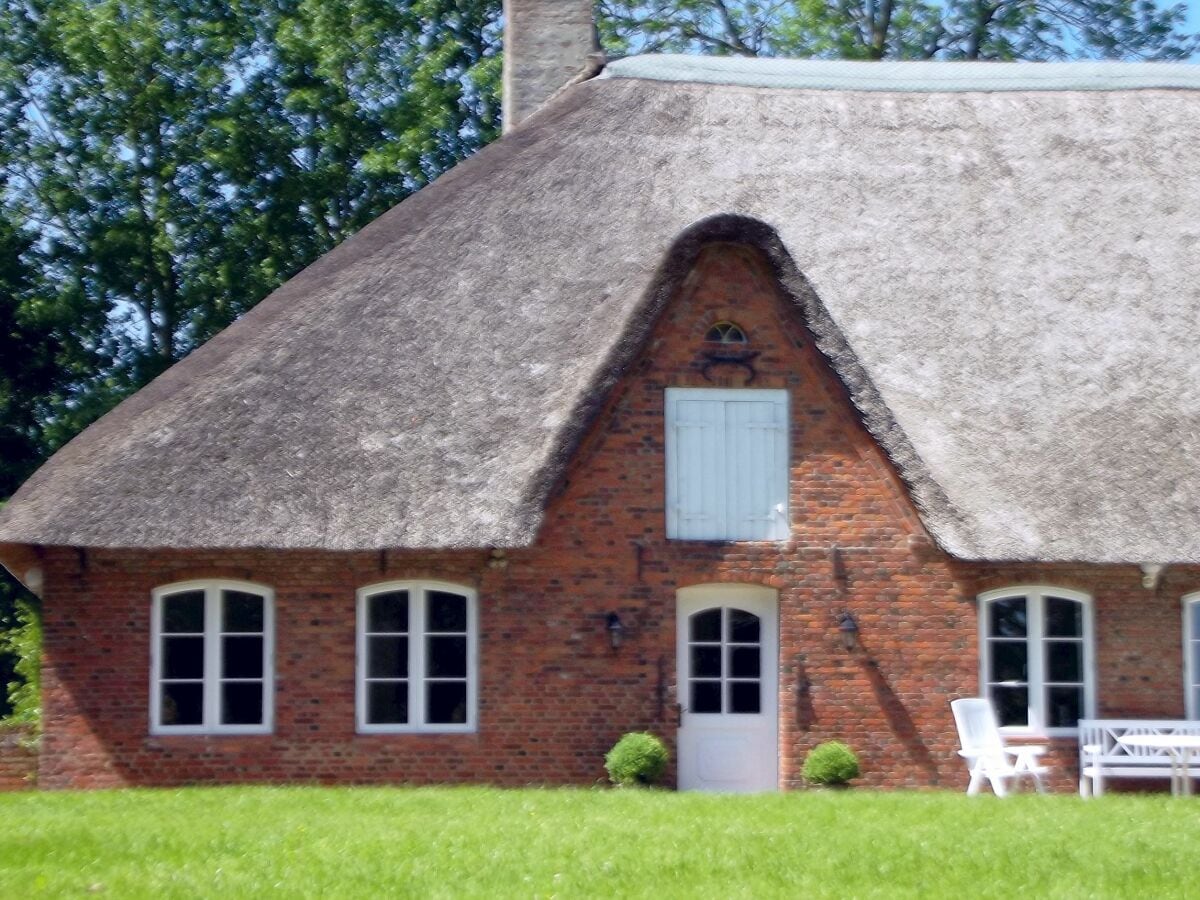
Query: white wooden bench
(1102,755)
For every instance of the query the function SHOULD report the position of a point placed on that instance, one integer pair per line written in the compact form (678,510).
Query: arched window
(417,657)
(1191,653)
(212,658)
(725,332)
(1036,657)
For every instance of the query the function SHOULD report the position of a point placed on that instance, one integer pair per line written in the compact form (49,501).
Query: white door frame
(710,743)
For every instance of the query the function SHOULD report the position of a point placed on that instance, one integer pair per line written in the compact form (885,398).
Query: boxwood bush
(638,758)
(831,763)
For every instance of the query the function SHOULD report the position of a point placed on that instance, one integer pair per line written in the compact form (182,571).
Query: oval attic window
(725,333)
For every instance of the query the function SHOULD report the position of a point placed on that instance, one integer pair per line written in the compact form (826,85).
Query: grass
(480,842)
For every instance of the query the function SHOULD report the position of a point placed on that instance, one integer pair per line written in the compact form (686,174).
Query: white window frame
(416,658)
(1035,599)
(1191,673)
(675,395)
(213,649)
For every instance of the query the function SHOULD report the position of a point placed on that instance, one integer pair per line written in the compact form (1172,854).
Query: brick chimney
(547,45)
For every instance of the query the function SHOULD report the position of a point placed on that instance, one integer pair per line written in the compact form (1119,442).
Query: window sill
(190,731)
(416,729)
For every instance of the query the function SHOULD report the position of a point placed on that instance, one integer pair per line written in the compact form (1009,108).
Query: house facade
(678,409)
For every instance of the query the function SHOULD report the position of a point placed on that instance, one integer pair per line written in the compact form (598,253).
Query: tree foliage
(901,29)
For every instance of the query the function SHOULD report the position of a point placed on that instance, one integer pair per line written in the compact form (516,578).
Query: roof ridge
(908,76)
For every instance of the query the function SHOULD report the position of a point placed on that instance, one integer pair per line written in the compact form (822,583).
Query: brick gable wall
(553,694)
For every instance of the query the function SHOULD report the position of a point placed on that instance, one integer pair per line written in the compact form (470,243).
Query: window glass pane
(1064,618)
(447,612)
(706,662)
(1065,706)
(1064,660)
(744,697)
(242,657)
(242,703)
(183,657)
(1012,705)
(1194,608)
(743,627)
(706,626)
(446,703)
(706,697)
(446,657)
(743,662)
(182,704)
(388,612)
(387,702)
(242,612)
(1010,660)
(387,657)
(1007,618)
(184,613)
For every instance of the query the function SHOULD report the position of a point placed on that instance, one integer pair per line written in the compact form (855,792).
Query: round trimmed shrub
(638,758)
(831,763)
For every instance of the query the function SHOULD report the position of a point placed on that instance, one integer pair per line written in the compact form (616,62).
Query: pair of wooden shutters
(727,464)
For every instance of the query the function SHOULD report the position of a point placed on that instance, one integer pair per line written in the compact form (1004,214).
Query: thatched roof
(1008,282)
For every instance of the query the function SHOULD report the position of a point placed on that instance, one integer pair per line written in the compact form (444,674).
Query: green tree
(901,29)
(173,161)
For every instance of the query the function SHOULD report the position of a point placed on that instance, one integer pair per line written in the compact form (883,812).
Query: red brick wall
(18,760)
(553,695)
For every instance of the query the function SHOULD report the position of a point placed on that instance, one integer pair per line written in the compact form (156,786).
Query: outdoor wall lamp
(616,631)
(848,631)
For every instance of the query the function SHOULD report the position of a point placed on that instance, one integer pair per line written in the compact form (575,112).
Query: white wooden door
(728,659)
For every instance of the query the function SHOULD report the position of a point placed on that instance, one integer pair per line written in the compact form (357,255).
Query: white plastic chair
(984,750)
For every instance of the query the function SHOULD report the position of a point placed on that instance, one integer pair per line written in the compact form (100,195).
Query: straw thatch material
(1007,282)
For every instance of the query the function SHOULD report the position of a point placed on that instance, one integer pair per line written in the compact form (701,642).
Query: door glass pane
(446,657)
(242,703)
(242,657)
(183,613)
(1195,610)
(387,702)
(1064,618)
(743,627)
(182,704)
(1065,706)
(183,657)
(447,612)
(387,657)
(744,697)
(1012,705)
(744,662)
(1010,660)
(706,697)
(242,612)
(447,702)
(388,612)
(1008,618)
(706,626)
(1064,660)
(706,662)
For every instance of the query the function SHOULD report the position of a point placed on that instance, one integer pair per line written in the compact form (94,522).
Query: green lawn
(305,841)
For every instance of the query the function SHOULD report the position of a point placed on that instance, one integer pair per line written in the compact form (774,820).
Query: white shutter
(727,464)
(695,466)
(756,465)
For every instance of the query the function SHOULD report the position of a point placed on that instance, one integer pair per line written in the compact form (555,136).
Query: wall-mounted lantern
(848,630)
(616,631)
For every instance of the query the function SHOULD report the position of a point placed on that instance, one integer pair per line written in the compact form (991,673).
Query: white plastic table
(1179,746)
